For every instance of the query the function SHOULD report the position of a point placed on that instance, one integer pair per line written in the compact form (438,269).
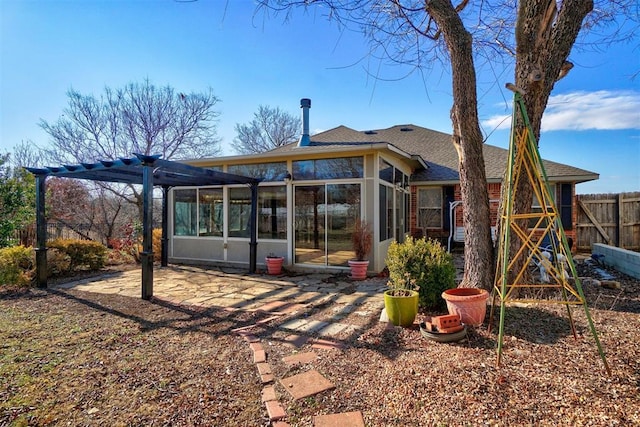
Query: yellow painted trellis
(540,228)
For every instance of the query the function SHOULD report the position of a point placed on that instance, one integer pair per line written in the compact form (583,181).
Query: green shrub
(423,263)
(82,253)
(16,266)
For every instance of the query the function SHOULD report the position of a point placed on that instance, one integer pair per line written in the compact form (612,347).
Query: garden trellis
(543,242)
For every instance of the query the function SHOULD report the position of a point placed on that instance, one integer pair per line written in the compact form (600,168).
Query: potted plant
(361,240)
(401,301)
(274,264)
(422,265)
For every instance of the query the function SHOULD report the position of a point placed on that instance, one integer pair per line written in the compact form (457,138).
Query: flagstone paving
(289,298)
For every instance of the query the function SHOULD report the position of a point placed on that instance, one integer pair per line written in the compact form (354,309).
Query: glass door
(343,210)
(309,224)
(325,216)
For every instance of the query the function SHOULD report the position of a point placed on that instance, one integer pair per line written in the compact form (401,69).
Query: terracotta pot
(401,311)
(274,265)
(468,303)
(358,269)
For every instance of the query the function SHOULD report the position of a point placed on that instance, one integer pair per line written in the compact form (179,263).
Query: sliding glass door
(325,215)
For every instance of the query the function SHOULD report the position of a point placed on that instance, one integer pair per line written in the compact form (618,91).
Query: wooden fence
(612,219)
(55,230)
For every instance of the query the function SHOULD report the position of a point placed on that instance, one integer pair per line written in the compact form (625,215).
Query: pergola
(149,171)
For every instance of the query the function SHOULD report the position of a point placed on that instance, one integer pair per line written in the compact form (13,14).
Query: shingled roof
(437,151)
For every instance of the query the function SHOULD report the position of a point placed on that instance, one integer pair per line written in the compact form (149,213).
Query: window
(275,171)
(343,167)
(272,212)
(197,212)
(239,212)
(430,208)
(185,216)
(385,171)
(386,212)
(566,206)
(536,207)
(211,222)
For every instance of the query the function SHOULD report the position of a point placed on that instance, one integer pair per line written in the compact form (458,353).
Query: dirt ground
(76,358)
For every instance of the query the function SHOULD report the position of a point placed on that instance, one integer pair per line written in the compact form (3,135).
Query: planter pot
(358,269)
(468,303)
(401,311)
(274,265)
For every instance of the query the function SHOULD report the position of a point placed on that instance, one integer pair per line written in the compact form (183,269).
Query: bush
(16,266)
(156,245)
(424,263)
(82,253)
(58,262)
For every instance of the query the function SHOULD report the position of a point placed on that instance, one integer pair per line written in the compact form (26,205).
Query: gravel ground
(75,358)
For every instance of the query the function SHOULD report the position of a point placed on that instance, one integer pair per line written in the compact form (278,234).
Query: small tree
(269,129)
(17,200)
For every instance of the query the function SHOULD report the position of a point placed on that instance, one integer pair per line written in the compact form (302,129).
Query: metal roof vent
(370,132)
(406,129)
(305,140)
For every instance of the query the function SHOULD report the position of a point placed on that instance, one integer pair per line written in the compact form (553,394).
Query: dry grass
(74,358)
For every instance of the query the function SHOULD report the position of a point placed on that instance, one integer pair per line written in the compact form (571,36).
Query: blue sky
(48,47)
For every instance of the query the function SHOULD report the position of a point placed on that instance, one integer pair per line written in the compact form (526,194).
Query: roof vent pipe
(305,104)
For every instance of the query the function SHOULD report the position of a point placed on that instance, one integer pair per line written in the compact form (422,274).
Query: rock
(610,284)
(383,316)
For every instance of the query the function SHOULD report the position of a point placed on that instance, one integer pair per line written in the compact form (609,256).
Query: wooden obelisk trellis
(537,231)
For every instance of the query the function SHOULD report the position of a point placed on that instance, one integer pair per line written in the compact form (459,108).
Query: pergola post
(146,257)
(253,241)
(41,233)
(164,258)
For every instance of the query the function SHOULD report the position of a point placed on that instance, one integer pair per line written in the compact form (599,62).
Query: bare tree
(269,129)
(139,118)
(537,35)
(26,154)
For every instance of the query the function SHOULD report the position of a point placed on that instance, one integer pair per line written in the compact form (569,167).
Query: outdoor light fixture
(288,178)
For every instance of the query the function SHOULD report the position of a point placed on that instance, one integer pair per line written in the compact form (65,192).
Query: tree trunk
(467,139)
(544,38)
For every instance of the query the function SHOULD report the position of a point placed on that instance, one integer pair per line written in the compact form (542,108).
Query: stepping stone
(306,384)
(344,419)
(273,306)
(333,329)
(313,326)
(327,345)
(294,324)
(296,340)
(259,356)
(275,410)
(306,357)
(268,394)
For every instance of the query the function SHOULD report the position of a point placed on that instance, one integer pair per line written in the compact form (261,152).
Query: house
(402,180)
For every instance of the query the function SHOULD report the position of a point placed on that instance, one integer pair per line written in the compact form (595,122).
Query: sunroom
(309,200)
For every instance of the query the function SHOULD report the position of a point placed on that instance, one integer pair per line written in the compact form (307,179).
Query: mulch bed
(76,358)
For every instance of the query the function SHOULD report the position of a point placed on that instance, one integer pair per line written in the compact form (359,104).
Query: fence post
(620,227)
